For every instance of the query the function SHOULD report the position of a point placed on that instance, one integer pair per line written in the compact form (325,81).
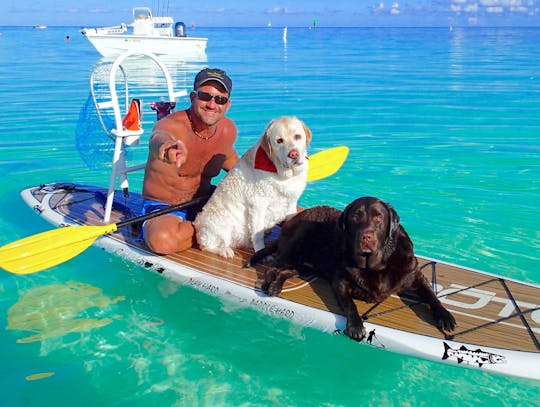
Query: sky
(278,13)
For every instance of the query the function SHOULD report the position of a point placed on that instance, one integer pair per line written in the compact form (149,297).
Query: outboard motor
(180,29)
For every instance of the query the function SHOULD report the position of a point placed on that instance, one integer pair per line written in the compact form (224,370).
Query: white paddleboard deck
(498,319)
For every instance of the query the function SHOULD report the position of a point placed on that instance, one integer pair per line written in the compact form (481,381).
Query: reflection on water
(456,62)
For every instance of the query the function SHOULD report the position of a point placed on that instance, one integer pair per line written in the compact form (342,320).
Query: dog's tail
(261,254)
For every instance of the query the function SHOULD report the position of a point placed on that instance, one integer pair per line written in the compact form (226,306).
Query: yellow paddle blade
(47,249)
(326,162)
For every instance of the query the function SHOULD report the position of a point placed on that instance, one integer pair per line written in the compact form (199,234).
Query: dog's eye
(279,141)
(377,218)
(298,137)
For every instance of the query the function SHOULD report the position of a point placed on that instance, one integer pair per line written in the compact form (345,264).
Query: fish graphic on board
(471,357)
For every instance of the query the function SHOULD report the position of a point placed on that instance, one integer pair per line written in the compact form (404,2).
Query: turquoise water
(443,125)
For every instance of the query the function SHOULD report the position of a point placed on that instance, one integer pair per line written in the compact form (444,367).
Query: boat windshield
(141,13)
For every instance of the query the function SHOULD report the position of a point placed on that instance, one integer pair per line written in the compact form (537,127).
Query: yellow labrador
(261,190)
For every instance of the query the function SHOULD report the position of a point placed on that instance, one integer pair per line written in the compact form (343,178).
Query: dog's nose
(367,238)
(293,154)
(367,234)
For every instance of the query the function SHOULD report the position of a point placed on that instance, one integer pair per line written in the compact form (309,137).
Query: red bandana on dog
(263,162)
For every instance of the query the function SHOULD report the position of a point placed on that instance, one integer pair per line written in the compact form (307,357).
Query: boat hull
(192,49)
(498,319)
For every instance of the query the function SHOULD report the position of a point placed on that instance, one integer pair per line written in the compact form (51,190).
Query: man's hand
(173,152)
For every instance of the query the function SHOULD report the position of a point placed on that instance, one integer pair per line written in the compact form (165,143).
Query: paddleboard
(498,318)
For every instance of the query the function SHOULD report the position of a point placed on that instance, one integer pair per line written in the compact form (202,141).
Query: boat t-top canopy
(145,24)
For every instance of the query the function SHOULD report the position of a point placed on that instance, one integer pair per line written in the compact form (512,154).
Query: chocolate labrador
(362,251)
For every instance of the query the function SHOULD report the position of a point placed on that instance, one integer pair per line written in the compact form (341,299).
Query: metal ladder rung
(127,133)
(104,105)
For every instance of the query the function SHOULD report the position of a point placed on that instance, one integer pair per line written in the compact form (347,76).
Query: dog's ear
(265,140)
(342,222)
(393,219)
(308,133)
(389,246)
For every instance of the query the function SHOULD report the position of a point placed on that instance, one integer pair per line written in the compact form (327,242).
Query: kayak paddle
(326,162)
(47,249)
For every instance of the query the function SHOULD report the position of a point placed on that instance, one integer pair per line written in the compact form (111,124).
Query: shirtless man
(186,150)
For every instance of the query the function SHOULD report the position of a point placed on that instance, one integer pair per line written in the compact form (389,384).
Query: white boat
(159,35)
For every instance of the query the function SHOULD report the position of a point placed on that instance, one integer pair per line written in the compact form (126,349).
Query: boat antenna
(161,9)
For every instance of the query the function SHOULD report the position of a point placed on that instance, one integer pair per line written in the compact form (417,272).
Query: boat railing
(122,136)
(117,29)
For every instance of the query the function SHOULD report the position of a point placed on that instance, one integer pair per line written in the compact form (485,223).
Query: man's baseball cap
(213,74)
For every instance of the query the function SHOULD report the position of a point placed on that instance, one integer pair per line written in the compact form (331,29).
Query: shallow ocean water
(443,125)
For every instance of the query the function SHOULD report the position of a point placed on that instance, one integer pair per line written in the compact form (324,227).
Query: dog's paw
(274,288)
(444,319)
(226,252)
(355,329)
(269,278)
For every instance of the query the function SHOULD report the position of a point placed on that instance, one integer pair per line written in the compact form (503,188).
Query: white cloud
(282,11)
(493,6)
(506,4)
(378,8)
(273,10)
(471,8)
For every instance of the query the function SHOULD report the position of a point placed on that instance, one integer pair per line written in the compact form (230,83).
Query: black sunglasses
(207,97)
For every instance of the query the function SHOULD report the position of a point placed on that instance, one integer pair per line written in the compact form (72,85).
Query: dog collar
(263,162)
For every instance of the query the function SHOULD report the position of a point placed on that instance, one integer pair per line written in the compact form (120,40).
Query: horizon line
(302,26)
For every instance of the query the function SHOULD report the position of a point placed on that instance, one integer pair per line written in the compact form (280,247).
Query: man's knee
(166,240)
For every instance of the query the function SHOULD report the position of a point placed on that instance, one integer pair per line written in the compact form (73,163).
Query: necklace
(188,112)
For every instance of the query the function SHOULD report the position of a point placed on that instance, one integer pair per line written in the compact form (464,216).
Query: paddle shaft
(47,249)
(163,211)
